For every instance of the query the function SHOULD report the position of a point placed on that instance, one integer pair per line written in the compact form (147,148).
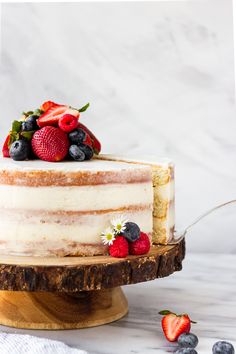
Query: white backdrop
(159,77)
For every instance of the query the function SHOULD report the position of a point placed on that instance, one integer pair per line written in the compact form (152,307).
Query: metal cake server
(180,235)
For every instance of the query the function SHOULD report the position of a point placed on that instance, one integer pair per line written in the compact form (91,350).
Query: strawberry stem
(166,312)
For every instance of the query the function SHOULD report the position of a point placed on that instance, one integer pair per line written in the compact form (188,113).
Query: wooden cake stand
(76,292)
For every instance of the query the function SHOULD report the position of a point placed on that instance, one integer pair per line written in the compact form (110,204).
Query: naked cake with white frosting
(58,200)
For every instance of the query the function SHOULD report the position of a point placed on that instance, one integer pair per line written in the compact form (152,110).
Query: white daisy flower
(108,236)
(119,224)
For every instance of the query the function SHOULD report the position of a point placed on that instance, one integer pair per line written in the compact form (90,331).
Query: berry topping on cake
(68,122)
(52,115)
(188,340)
(65,119)
(174,325)
(5,148)
(119,247)
(50,144)
(76,153)
(88,151)
(48,104)
(95,142)
(131,232)
(20,150)
(141,245)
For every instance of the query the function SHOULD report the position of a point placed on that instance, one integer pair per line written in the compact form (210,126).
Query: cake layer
(81,198)
(41,233)
(37,173)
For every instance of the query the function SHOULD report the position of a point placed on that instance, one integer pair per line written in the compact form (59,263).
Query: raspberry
(67,123)
(119,248)
(50,144)
(140,246)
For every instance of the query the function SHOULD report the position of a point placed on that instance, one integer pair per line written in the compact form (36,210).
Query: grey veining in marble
(159,76)
(205,288)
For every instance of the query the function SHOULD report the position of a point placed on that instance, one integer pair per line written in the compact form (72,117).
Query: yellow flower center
(118,227)
(109,237)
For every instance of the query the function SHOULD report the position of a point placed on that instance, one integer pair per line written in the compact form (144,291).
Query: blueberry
(20,150)
(132,231)
(33,119)
(76,153)
(88,151)
(188,340)
(77,136)
(28,126)
(186,351)
(223,347)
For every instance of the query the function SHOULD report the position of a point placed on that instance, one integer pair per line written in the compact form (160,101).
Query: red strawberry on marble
(50,144)
(5,148)
(173,325)
(52,115)
(96,145)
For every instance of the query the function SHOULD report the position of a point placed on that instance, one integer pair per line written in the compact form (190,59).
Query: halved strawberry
(173,325)
(95,142)
(54,113)
(48,104)
(5,148)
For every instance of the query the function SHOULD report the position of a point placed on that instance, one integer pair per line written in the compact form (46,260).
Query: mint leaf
(27,113)
(16,126)
(28,134)
(83,109)
(38,112)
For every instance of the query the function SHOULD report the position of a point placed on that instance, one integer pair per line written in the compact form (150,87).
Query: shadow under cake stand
(76,292)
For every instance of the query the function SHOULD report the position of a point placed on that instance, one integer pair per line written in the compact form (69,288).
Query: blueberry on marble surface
(20,150)
(132,232)
(188,340)
(88,151)
(222,347)
(76,153)
(186,351)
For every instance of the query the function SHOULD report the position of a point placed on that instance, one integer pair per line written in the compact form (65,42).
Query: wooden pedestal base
(47,310)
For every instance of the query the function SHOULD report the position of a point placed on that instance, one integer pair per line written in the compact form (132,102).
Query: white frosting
(67,166)
(76,198)
(141,159)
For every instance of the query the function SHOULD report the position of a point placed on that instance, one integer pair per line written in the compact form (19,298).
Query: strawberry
(48,104)
(95,142)
(141,245)
(67,122)
(52,115)
(50,144)
(119,247)
(5,148)
(173,325)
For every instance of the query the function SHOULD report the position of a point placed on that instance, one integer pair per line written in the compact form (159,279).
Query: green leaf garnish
(27,113)
(27,134)
(16,126)
(83,109)
(38,112)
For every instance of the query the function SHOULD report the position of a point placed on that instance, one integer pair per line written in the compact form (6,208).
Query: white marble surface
(205,288)
(159,76)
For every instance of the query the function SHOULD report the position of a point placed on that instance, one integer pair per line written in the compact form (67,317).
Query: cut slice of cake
(163,192)
(62,208)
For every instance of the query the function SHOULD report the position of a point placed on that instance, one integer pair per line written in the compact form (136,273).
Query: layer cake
(62,208)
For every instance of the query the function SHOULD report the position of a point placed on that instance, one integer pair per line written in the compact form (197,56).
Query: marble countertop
(205,288)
